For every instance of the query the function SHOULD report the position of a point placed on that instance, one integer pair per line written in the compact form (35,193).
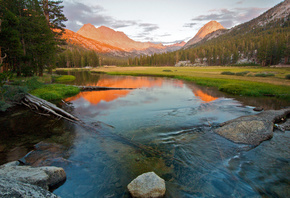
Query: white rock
(14,188)
(43,177)
(147,185)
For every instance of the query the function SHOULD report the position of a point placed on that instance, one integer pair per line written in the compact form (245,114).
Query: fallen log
(98,88)
(46,108)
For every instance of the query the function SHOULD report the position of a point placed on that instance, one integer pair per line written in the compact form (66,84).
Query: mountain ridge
(280,11)
(114,38)
(208,28)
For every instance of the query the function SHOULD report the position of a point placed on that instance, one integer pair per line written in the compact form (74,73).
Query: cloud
(190,25)
(240,2)
(122,23)
(79,14)
(230,17)
(148,27)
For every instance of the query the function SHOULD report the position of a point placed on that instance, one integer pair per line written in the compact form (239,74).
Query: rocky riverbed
(254,129)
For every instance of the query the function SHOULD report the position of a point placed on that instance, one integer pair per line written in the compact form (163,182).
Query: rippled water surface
(165,126)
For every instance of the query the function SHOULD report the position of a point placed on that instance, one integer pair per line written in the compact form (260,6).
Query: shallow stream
(165,126)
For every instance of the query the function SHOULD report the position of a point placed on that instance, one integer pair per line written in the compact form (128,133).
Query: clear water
(165,126)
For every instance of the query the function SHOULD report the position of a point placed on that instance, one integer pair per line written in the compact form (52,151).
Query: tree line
(30,33)
(75,56)
(264,45)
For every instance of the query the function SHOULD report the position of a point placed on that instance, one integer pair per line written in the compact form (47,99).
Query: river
(163,125)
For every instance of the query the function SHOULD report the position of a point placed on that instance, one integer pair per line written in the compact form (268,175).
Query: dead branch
(40,105)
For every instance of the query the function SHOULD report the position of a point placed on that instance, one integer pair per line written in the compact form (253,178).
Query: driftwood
(98,88)
(46,108)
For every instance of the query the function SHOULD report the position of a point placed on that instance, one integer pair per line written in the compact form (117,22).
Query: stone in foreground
(147,185)
(27,181)
(44,177)
(13,188)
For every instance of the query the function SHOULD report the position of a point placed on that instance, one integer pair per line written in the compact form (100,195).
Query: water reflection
(95,97)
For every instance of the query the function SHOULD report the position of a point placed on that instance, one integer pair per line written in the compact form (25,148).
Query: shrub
(4,106)
(13,93)
(167,70)
(228,73)
(264,75)
(242,73)
(64,78)
(287,76)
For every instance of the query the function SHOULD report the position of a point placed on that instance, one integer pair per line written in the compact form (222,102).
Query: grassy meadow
(246,81)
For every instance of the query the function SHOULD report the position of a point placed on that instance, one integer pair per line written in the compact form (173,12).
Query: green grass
(64,78)
(244,85)
(55,92)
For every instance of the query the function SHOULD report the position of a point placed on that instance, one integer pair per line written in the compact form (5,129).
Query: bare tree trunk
(45,9)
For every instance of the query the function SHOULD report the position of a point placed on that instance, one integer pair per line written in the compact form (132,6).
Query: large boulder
(13,188)
(252,129)
(44,177)
(147,185)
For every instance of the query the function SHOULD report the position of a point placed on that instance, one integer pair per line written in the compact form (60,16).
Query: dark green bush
(4,105)
(228,73)
(242,73)
(264,75)
(287,76)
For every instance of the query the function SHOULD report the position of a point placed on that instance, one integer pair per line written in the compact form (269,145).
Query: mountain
(115,38)
(261,41)
(208,28)
(108,41)
(279,13)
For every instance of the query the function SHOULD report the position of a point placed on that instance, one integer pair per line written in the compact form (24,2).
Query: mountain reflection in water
(95,97)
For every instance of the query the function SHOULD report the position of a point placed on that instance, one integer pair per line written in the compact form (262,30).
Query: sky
(161,21)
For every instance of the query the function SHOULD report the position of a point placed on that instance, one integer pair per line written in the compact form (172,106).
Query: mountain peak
(208,28)
(88,25)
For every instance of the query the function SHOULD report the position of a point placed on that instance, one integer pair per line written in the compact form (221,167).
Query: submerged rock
(29,180)
(252,129)
(258,109)
(147,185)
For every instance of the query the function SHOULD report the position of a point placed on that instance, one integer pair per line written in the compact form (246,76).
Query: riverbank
(246,81)
(44,87)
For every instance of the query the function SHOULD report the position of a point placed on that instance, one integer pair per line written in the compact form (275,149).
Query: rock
(258,109)
(252,129)
(10,187)
(147,185)
(247,132)
(284,126)
(45,154)
(44,177)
